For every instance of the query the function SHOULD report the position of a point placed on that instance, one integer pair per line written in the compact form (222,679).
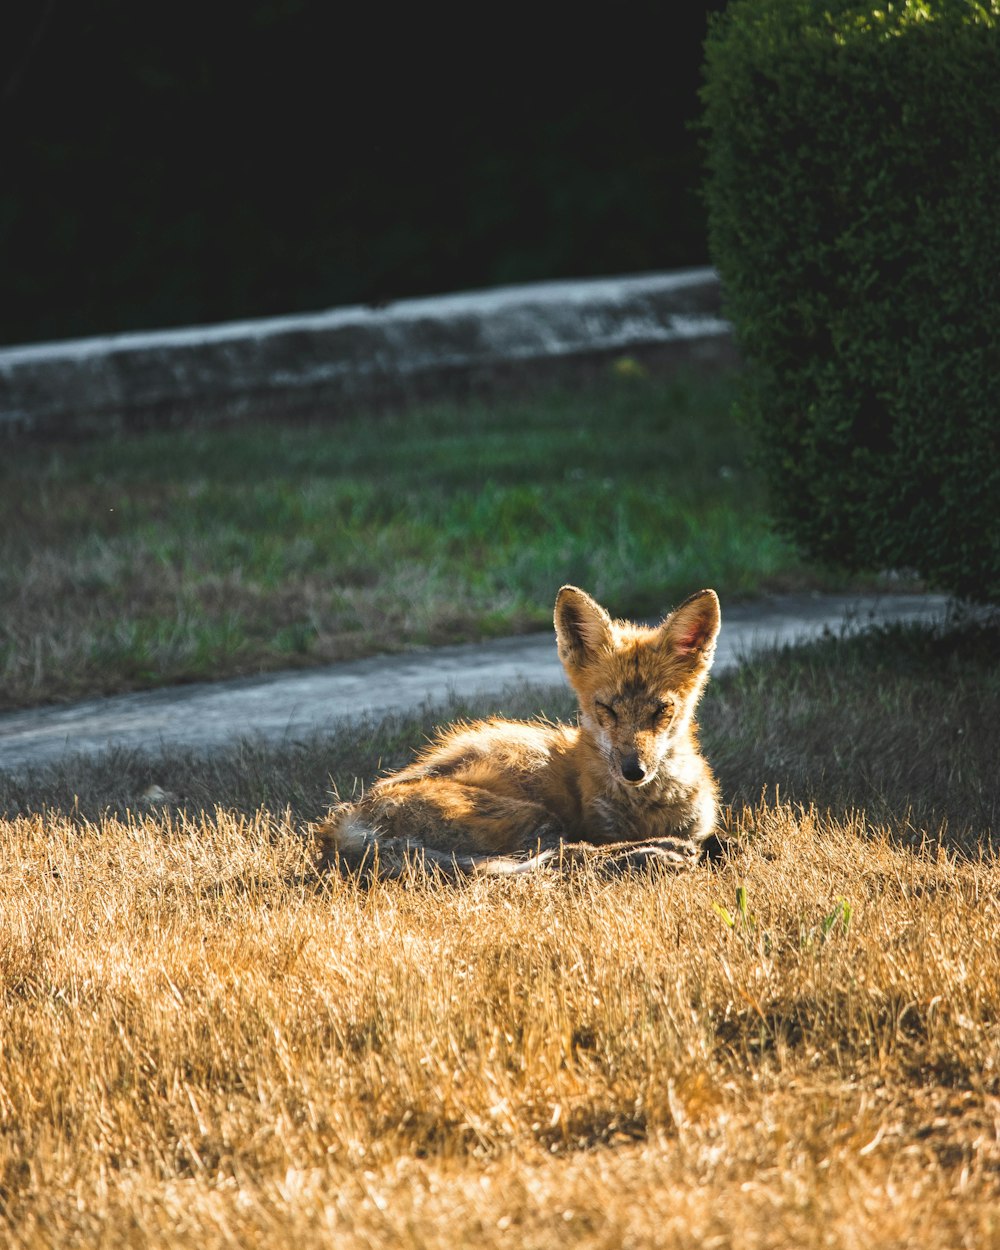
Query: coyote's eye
(661,711)
(608,711)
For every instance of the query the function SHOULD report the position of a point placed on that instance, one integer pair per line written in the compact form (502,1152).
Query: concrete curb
(413,347)
(284,706)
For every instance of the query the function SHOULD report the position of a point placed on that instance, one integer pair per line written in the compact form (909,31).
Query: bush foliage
(854,179)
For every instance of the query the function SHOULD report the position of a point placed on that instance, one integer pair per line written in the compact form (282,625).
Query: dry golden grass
(205,1044)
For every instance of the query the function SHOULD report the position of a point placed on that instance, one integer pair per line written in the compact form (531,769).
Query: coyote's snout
(625,788)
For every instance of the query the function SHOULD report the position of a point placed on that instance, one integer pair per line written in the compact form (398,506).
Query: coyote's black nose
(632,769)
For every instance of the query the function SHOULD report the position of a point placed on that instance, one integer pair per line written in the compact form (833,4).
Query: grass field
(201,553)
(204,1042)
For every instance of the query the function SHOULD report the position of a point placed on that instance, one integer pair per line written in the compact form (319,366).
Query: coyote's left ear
(691,629)
(583,628)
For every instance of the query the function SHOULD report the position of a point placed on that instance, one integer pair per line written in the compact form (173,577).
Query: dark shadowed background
(163,165)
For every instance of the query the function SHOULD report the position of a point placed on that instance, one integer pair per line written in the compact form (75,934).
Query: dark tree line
(168,164)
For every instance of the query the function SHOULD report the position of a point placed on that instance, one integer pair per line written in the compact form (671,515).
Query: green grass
(901,723)
(200,553)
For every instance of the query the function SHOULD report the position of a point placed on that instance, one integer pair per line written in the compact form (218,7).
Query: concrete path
(288,705)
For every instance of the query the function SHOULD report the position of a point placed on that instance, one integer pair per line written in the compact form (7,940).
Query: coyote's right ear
(583,628)
(691,629)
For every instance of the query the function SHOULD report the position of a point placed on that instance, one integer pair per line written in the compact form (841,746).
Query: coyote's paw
(624,859)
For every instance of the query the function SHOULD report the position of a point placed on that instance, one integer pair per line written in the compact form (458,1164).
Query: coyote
(625,789)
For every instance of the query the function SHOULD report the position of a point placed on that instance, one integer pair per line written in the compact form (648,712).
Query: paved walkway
(288,705)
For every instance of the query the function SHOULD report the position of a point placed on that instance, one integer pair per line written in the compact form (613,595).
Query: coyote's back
(627,787)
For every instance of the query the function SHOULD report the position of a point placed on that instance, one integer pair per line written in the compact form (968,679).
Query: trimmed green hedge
(854,215)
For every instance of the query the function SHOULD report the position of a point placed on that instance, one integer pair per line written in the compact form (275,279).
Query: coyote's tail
(346,840)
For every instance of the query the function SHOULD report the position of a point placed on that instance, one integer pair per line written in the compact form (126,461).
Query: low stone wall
(315,362)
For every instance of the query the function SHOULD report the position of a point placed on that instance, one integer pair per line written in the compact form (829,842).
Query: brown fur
(625,788)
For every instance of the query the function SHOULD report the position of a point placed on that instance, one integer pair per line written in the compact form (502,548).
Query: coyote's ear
(583,628)
(691,629)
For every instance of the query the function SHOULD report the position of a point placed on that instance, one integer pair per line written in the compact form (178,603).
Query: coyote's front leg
(622,858)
